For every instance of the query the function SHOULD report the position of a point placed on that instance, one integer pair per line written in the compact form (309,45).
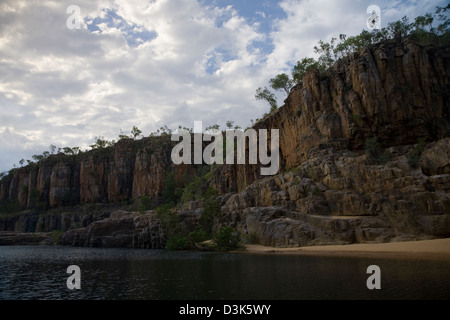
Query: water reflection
(29,272)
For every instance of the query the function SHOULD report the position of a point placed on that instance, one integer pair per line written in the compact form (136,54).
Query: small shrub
(56,236)
(169,220)
(413,156)
(141,209)
(169,193)
(375,152)
(315,191)
(178,242)
(372,147)
(212,210)
(199,235)
(356,118)
(413,160)
(227,238)
(146,202)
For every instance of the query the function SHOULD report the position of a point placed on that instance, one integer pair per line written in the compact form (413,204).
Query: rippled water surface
(38,272)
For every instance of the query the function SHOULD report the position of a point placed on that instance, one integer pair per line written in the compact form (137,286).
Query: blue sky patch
(133,33)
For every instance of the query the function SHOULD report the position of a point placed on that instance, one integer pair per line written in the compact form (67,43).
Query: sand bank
(423,249)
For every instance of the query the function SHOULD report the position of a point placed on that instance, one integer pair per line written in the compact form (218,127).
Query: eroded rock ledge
(328,191)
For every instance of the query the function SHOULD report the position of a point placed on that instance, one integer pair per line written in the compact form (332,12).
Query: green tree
(178,242)
(265,94)
(281,82)
(145,204)
(52,149)
(37,157)
(229,124)
(413,156)
(442,15)
(302,67)
(135,132)
(227,238)
(211,210)
(327,54)
(165,130)
(169,193)
(169,221)
(374,151)
(194,190)
(199,235)
(68,151)
(212,127)
(101,143)
(398,30)
(122,135)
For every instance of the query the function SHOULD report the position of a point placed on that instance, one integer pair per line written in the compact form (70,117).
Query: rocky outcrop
(340,197)
(122,229)
(20,238)
(395,92)
(61,219)
(328,189)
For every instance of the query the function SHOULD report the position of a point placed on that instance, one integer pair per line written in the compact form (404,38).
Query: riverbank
(422,249)
(11,238)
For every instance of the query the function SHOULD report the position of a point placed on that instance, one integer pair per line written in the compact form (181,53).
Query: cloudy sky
(150,63)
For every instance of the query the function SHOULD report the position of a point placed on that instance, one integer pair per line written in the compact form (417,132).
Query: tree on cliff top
(135,132)
(265,94)
(281,82)
(421,30)
(101,143)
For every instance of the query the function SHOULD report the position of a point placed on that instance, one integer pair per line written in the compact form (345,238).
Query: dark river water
(39,272)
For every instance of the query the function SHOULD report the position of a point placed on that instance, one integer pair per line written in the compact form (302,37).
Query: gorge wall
(328,189)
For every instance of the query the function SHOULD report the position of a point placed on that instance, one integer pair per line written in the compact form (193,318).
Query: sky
(150,63)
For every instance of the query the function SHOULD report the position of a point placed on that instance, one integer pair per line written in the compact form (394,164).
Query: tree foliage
(303,66)
(426,29)
(281,82)
(101,143)
(227,238)
(135,132)
(170,194)
(265,94)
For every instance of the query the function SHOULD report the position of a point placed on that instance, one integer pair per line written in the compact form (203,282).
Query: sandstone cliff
(328,189)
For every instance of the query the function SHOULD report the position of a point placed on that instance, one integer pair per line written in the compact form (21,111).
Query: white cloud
(148,63)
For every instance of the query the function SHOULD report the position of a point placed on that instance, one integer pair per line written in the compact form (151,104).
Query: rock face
(121,229)
(340,197)
(396,93)
(19,238)
(328,189)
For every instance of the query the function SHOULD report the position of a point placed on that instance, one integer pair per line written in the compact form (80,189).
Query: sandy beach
(423,249)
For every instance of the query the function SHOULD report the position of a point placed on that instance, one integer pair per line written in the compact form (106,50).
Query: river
(40,272)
